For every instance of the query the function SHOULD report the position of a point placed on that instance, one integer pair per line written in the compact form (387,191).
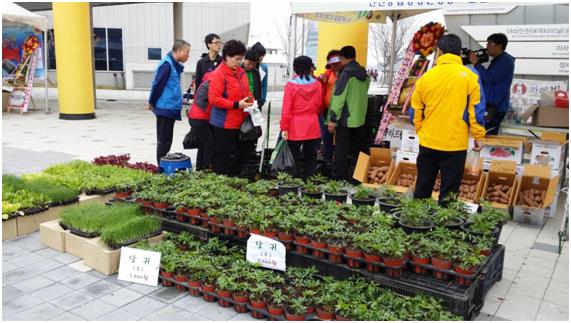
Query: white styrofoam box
(529,215)
(502,153)
(409,140)
(550,210)
(547,153)
(406,156)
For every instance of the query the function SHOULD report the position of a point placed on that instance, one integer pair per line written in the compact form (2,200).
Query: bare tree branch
(284,32)
(380,43)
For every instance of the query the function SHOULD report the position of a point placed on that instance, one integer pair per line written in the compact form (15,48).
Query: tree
(284,31)
(380,43)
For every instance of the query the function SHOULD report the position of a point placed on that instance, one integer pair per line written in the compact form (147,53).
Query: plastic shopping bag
(283,160)
(473,163)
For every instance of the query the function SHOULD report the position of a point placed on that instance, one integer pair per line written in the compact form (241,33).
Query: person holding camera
(497,80)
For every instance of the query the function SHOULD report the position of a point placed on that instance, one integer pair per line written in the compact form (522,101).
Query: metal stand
(564,230)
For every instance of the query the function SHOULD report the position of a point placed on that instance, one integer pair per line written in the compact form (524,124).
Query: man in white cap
(328,80)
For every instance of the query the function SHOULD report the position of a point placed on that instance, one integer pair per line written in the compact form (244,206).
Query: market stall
(24,52)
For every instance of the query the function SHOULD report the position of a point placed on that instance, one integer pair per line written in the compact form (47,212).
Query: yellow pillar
(74,60)
(334,36)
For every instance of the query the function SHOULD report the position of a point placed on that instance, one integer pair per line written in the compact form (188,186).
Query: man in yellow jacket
(446,107)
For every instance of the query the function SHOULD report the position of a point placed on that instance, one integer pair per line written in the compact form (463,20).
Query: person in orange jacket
(328,80)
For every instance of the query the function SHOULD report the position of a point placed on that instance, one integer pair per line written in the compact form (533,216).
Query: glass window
(115,43)
(100,49)
(154,53)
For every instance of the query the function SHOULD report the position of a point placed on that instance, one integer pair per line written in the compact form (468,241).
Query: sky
(264,15)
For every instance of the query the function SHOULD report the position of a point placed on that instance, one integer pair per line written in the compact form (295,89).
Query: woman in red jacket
(300,116)
(228,94)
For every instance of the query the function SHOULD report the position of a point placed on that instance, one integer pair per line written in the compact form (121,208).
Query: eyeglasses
(216,42)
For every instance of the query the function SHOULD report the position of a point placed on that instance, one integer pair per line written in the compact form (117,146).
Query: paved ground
(42,284)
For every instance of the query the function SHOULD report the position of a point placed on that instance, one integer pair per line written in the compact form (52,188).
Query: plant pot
(255,231)
(225,294)
(194,211)
(316,196)
(310,310)
(214,228)
(229,224)
(424,227)
(209,289)
(148,205)
(194,287)
(283,236)
(284,189)
(275,310)
(419,261)
(325,315)
(454,224)
(439,265)
(370,259)
(353,253)
(366,201)
(180,279)
(272,234)
(486,252)
(122,194)
(335,254)
(161,206)
(394,262)
(301,241)
(340,198)
(181,217)
(320,245)
(258,304)
(293,317)
(242,232)
(167,283)
(240,305)
(205,219)
(387,205)
(464,281)
(339,317)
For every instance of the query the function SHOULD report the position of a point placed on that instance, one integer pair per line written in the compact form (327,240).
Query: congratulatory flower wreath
(427,37)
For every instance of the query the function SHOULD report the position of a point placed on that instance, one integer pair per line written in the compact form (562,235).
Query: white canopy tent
(377,12)
(13,13)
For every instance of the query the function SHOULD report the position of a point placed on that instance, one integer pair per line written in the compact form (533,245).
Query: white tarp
(13,13)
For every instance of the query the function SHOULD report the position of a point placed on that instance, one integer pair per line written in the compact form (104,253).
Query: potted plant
(208,282)
(372,247)
(335,191)
(389,199)
(224,285)
(240,295)
(448,217)
(393,246)
(276,304)
(288,184)
(336,245)
(415,214)
(468,262)
(352,252)
(363,196)
(168,264)
(296,309)
(258,299)
(326,304)
(312,190)
(420,247)
(443,252)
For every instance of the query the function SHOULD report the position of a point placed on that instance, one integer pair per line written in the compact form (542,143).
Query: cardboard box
(535,177)
(75,244)
(479,177)
(5,99)
(409,141)
(52,235)
(549,150)
(501,172)
(379,157)
(547,116)
(503,148)
(9,229)
(100,257)
(406,168)
(406,156)
(31,223)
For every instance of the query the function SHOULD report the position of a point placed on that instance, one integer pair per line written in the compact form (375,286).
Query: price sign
(266,252)
(139,266)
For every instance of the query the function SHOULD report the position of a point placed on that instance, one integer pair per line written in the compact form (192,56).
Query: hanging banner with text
(525,93)
(139,266)
(266,252)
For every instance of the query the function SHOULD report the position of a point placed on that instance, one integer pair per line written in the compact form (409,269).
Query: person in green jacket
(348,111)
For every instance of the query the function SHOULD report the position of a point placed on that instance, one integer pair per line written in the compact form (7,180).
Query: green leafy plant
(335,187)
(131,230)
(297,306)
(363,193)
(285,179)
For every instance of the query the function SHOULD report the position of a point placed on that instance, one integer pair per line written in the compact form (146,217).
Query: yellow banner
(347,17)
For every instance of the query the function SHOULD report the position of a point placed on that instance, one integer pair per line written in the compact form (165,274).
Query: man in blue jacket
(497,80)
(166,96)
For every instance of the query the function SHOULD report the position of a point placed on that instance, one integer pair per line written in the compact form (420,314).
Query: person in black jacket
(208,61)
(250,66)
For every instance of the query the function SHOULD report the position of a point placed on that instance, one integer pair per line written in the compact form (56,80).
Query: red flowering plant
(427,37)
(30,45)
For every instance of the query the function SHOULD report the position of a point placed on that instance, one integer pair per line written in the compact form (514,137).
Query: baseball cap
(333,60)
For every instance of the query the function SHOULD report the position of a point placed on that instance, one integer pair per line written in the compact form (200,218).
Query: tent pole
(292,42)
(394,18)
(46,70)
